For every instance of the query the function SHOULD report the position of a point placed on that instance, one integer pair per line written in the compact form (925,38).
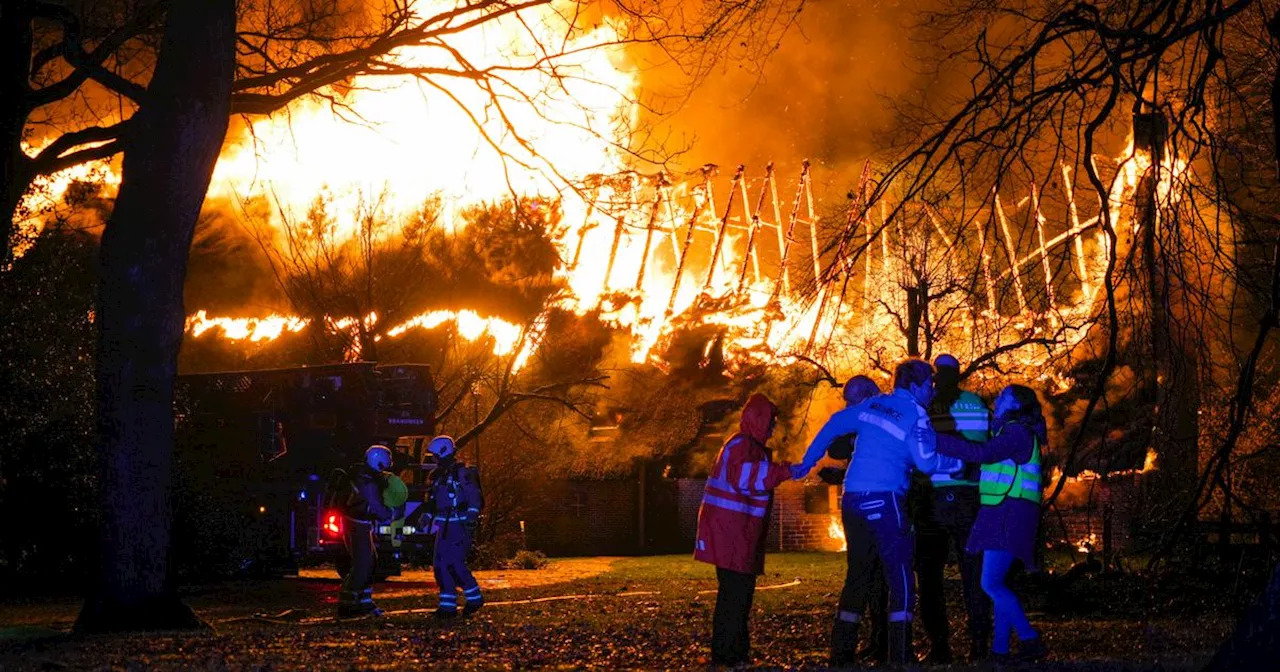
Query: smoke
(826,94)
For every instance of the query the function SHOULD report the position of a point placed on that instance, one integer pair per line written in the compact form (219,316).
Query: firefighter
(945,506)
(455,504)
(892,430)
(364,509)
(732,522)
(1010,485)
(856,390)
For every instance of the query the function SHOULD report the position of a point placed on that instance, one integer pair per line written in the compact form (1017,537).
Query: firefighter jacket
(893,436)
(736,503)
(966,417)
(456,499)
(365,504)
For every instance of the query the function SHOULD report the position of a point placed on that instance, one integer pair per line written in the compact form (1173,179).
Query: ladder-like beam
(724,223)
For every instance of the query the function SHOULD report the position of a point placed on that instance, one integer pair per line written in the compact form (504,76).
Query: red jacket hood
(757,415)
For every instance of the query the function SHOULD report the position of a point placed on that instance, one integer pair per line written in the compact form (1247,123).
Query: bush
(527,560)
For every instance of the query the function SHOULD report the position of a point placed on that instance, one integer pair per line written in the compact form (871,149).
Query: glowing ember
(1087,544)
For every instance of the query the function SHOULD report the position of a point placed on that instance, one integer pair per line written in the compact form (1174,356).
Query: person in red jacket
(732,522)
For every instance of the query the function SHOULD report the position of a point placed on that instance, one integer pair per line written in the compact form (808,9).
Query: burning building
(712,269)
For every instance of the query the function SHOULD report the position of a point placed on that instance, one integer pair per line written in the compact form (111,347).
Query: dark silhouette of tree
(206,63)
(1049,85)
(174,141)
(501,263)
(75,71)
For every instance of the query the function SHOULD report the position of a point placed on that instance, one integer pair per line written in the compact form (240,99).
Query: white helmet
(378,457)
(442,446)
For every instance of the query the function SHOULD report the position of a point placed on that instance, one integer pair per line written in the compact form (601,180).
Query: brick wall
(802,515)
(586,517)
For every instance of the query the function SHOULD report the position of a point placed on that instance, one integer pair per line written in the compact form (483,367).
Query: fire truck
(255,451)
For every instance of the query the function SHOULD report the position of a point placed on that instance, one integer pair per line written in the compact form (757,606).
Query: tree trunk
(916,303)
(1175,423)
(15,35)
(172,150)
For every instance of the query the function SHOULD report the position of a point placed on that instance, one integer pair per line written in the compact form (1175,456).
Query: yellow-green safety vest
(1007,478)
(967,416)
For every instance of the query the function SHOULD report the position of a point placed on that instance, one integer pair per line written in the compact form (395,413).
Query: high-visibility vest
(969,418)
(1007,478)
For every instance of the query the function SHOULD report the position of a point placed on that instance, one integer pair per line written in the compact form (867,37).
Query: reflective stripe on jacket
(455,495)
(889,428)
(733,517)
(967,417)
(1007,478)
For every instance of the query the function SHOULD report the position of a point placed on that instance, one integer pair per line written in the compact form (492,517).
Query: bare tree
(362,293)
(1051,85)
(76,71)
(211,64)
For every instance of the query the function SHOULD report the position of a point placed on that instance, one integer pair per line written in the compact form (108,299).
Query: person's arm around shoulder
(1014,442)
(841,423)
(921,444)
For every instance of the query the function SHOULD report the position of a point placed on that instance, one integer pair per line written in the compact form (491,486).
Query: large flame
(643,250)
(412,138)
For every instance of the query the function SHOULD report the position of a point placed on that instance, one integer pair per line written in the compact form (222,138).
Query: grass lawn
(651,612)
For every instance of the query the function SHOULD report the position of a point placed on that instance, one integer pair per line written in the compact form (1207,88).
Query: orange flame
(836,531)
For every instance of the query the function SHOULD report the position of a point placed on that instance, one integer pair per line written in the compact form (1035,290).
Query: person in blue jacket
(1010,484)
(894,437)
(455,504)
(362,511)
(855,391)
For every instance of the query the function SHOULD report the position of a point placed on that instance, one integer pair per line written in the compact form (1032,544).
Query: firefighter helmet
(442,446)
(378,457)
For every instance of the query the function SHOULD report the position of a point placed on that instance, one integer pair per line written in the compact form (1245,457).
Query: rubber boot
(900,649)
(844,643)
(876,652)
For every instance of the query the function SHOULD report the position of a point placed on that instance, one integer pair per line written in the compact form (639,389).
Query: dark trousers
(879,535)
(942,526)
(876,600)
(453,542)
(357,587)
(730,638)
(880,545)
